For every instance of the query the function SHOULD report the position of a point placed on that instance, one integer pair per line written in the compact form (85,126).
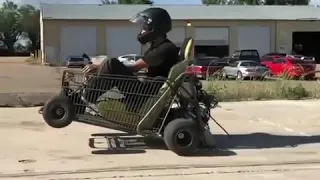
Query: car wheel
(239,75)
(182,136)
(224,75)
(266,76)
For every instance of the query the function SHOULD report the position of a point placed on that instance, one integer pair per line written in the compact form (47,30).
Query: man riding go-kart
(145,105)
(158,59)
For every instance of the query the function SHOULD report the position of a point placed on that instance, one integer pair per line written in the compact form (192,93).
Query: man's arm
(138,65)
(153,57)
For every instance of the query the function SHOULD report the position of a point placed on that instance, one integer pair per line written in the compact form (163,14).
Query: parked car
(245,69)
(78,61)
(293,66)
(274,54)
(230,60)
(270,57)
(129,58)
(206,66)
(247,54)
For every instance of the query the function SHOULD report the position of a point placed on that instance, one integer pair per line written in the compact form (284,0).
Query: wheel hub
(180,135)
(59,111)
(184,138)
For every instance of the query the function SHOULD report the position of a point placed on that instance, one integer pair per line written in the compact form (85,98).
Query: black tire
(64,106)
(266,76)
(189,143)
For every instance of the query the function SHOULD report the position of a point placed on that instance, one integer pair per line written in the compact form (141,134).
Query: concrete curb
(24,99)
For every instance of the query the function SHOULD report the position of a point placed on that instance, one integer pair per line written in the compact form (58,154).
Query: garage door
(122,40)
(177,35)
(76,40)
(255,37)
(211,36)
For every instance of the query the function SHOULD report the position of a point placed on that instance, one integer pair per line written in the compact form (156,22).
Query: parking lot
(266,137)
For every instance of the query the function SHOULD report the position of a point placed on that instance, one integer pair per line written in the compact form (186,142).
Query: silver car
(75,61)
(245,69)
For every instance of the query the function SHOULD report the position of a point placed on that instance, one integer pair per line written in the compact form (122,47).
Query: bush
(263,90)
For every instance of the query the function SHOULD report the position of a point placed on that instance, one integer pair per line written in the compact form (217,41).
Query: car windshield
(207,61)
(249,53)
(267,59)
(138,57)
(276,54)
(76,59)
(249,64)
(132,58)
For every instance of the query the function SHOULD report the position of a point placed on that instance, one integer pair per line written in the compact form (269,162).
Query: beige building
(70,30)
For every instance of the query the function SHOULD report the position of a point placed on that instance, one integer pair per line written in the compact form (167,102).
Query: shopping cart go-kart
(175,109)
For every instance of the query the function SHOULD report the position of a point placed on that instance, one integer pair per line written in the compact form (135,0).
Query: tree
(287,2)
(258,2)
(15,21)
(233,2)
(9,22)
(30,22)
(108,2)
(214,2)
(126,2)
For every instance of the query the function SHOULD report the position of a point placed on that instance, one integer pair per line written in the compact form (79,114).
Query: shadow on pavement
(124,143)
(263,141)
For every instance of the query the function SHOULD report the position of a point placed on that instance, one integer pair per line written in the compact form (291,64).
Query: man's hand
(139,64)
(90,68)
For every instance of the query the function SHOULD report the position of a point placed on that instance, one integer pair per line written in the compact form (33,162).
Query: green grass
(264,90)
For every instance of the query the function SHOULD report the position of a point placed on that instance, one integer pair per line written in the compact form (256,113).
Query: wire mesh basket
(113,100)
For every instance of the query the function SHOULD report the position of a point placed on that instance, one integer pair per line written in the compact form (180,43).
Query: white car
(129,58)
(78,61)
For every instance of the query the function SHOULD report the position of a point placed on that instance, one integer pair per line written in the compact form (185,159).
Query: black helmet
(155,22)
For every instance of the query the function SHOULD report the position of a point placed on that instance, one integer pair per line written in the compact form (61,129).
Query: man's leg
(104,81)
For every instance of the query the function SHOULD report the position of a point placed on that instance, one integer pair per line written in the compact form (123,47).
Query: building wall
(281,32)
(51,32)
(286,28)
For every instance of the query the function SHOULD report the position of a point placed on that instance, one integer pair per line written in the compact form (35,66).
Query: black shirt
(160,57)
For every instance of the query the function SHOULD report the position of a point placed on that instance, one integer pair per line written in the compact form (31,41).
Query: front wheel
(224,75)
(182,136)
(58,112)
(239,75)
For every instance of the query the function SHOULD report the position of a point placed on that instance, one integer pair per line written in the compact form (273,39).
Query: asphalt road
(273,140)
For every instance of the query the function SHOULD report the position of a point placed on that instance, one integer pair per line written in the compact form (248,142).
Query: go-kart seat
(175,78)
(152,108)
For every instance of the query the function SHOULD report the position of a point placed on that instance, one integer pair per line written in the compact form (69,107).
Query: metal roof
(181,12)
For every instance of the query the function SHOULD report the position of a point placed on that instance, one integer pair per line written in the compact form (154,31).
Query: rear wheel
(182,137)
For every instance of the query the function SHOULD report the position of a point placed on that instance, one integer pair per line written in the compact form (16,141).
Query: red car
(294,66)
(206,66)
(270,57)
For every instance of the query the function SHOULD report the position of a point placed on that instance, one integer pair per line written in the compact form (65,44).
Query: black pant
(113,73)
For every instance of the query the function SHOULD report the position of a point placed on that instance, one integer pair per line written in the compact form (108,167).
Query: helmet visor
(139,19)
